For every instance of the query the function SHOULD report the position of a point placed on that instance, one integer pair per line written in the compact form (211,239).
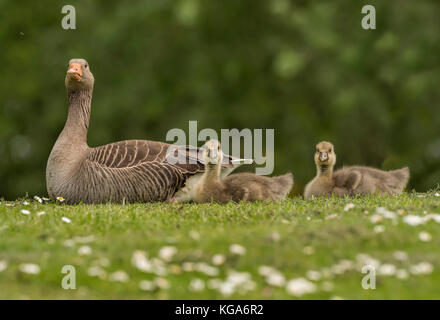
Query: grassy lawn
(168,251)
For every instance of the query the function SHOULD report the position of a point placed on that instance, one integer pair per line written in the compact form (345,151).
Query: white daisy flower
(119,276)
(97,271)
(41,213)
(237,249)
(275,236)
(24,211)
(194,235)
(69,243)
(159,267)
(349,206)
(314,275)
(60,199)
(421,268)
(400,255)
(226,288)
(166,253)
(146,285)
(66,220)
(218,259)
(387,214)
(84,251)
(241,281)
(300,286)
(387,269)
(197,285)
(103,261)
(276,279)
(29,268)
(3,265)
(342,266)
(413,220)
(206,269)
(433,216)
(214,283)
(376,218)
(162,283)
(266,270)
(425,236)
(402,274)
(188,266)
(140,261)
(363,259)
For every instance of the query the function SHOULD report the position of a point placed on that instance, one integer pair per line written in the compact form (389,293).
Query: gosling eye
(86,65)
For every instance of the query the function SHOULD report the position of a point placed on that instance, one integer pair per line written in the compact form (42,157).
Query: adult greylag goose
(211,187)
(125,171)
(351,180)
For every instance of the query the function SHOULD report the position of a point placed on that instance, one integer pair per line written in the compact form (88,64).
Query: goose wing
(142,170)
(137,170)
(133,153)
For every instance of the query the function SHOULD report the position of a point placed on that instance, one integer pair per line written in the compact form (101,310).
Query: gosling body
(237,187)
(351,180)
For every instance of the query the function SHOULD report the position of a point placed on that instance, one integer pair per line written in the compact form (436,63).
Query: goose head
(79,76)
(325,154)
(212,152)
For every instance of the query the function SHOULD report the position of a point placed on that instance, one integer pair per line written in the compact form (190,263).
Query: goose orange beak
(75,71)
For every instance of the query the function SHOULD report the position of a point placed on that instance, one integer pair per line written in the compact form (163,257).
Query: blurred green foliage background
(305,68)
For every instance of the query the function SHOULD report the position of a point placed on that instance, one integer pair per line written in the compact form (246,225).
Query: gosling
(352,180)
(236,187)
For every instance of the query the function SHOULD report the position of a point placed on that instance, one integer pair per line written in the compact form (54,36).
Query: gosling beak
(212,153)
(75,71)
(323,156)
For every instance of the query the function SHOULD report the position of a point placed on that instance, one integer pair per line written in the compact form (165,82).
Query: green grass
(274,234)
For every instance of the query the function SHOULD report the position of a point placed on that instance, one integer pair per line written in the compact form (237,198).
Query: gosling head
(79,76)
(325,155)
(212,152)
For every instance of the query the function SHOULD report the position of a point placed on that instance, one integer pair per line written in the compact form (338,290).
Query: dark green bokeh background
(305,68)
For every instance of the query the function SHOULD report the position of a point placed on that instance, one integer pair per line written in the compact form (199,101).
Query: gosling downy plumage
(351,180)
(237,187)
(126,171)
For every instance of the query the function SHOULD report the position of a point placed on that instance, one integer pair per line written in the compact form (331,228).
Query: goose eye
(330,150)
(86,66)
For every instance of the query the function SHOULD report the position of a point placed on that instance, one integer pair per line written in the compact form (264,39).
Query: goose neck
(212,172)
(324,170)
(78,118)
